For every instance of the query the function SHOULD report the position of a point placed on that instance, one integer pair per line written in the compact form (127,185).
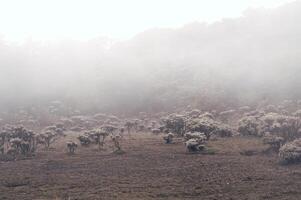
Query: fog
(230,62)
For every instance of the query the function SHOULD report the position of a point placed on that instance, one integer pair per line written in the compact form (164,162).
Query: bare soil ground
(152,170)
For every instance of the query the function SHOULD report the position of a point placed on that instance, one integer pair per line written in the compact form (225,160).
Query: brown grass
(150,169)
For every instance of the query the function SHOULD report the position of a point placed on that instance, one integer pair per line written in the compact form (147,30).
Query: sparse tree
(47,138)
(71,147)
(99,137)
(129,125)
(116,141)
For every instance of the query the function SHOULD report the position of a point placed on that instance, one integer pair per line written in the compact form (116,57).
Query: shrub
(297,113)
(84,140)
(194,135)
(174,123)
(168,138)
(194,145)
(47,138)
(98,136)
(225,115)
(18,140)
(274,141)
(249,125)
(156,130)
(291,152)
(116,141)
(223,130)
(204,125)
(71,146)
(287,127)
(129,125)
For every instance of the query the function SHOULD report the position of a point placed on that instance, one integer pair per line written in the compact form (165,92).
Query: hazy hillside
(231,62)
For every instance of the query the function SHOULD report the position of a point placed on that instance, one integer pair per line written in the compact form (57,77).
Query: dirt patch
(150,169)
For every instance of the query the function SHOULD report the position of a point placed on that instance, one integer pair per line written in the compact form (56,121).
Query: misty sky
(165,47)
(118,19)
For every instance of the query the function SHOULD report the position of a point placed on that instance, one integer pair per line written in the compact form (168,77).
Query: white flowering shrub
(194,135)
(249,125)
(291,152)
(224,130)
(203,125)
(47,138)
(195,145)
(18,140)
(288,127)
(175,124)
(99,136)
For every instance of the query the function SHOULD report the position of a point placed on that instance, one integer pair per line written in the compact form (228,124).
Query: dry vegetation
(253,153)
(196,112)
(152,170)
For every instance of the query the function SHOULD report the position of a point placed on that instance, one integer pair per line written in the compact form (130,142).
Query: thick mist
(228,63)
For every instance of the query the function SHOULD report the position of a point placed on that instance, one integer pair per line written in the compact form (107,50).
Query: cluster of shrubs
(17,141)
(115,128)
(285,126)
(279,126)
(98,137)
(291,152)
(194,127)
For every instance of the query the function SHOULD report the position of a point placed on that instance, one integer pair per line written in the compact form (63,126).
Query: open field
(150,100)
(152,170)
